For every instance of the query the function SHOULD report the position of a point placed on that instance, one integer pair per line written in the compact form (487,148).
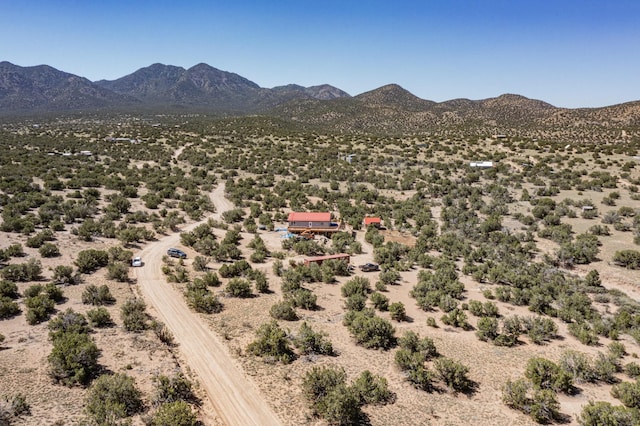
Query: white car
(136,262)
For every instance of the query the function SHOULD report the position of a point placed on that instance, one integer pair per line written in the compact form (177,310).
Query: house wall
(299,224)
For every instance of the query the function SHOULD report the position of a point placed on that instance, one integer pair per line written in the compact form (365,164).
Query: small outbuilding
(372,221)
(319,259)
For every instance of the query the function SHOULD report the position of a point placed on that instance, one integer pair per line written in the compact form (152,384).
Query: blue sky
(571,53)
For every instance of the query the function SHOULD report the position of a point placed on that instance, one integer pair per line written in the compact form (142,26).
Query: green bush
(371,331)
(118,271)
(604,414)
(172,389)
(177,413)
(49,250)
(63,274)
(97,296)
(8,308)
(68,321)
(200,299)
(272,342)
(380,301)
(99,317)
(112,397)
(283,310)
(39,308)
(311,342)
(453,374)
(238,287)
(545,374)
(398,311)
(73,359)
(629,259)
(628,393)
(91,260)
(356,285)
(133,315)
(9,289)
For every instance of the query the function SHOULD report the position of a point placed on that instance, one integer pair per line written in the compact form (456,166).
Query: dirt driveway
(235,397)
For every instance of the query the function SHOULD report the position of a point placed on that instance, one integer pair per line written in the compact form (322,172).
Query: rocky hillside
(43,88)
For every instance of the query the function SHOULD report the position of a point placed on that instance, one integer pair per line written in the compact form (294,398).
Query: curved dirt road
(236,399)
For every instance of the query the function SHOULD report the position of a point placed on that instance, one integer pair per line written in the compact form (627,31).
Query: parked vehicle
(174,252)
(369,267)
(136,262)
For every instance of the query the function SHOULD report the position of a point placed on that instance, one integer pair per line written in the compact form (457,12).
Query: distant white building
(481,164)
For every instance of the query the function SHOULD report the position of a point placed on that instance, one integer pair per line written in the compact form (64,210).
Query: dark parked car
(174,252)
(369,267)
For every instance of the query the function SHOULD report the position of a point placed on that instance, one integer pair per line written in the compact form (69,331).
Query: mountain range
(203,88)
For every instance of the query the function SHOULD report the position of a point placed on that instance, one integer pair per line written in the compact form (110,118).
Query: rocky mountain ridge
(390,108)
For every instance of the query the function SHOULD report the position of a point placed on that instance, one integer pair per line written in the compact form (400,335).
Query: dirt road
(236,398)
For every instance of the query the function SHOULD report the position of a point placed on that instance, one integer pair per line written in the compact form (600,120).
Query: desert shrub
(13,408)
(628,393)
(211,279)
(356,285)
(271,341)
(487,329)
(73,358)
(540,329)
(177,413)
(200,299)
(456,318)
(398,311)
(9,289)
(283,310)
(545,374)
(414,344)
(97,296)
(380,301)
(355,302)
(260,281)
(49,250)
(632,370)
(453,374)
(389,277)
(370,330)
(372,389)
(14,250)
(238,287)
(133,315)
(68,321)
(309,341)
(514,394)
(330,397)
(604,414)
(118,271)
(200,263)
(99,317)
(39,308)
(163,333)
(112,397)
(63,274)
(605,367)
(629,259)
(544,406)
(584,333)
(8,308)
(578,365)
(303,298)
(172,389)
(91,260)
(22,272)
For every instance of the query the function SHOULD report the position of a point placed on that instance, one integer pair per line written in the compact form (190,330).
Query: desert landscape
(505,291)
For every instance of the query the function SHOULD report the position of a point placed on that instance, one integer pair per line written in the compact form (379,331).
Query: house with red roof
(316,222)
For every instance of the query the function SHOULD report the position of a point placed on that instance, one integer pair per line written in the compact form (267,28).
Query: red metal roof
(309,217)
(370,220)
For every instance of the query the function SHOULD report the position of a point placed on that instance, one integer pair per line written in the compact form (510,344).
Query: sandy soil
(235,398)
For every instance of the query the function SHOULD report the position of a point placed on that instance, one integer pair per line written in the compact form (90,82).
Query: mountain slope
(43,88)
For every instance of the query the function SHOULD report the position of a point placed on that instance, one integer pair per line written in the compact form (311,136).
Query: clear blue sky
(571,53)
